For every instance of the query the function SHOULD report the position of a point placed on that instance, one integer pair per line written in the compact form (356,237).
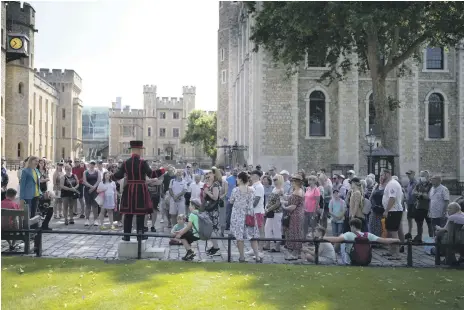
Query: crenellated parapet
(190,90)
(60,76)
(149,89)
(19,16)
(126,112)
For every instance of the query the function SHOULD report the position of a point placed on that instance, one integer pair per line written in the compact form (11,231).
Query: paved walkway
(106,248)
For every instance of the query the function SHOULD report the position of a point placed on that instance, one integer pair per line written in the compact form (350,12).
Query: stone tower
(228,19)
(188,94)
(19,129)
(150,129)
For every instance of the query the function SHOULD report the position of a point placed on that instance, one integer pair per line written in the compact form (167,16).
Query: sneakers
(82,216)
(189,255)
(250,252)
(153,229)
(71,221)
(161,221)
(213,252)
(87,223)
(96,223)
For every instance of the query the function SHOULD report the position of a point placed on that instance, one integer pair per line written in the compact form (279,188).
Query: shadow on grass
(279,286)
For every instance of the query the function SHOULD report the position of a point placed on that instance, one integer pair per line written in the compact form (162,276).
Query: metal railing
(409,244)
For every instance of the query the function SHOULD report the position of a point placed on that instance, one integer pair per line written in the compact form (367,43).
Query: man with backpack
(358,253)
(198,227)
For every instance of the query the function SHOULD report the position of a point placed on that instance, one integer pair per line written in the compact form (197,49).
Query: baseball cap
(410,172)
(350,172)
(100,162)
(284,172)
(92,162)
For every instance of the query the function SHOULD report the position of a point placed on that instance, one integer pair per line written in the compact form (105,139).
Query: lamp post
(371,143)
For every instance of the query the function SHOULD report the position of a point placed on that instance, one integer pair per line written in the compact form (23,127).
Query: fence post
(409,253)
(316,251)
(229,249)
(139,244)
(437,251)
(39,243)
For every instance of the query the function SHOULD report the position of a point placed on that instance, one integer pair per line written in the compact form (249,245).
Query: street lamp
(371,143)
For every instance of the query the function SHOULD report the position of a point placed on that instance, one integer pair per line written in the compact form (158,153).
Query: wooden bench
(454,239)
(20,220)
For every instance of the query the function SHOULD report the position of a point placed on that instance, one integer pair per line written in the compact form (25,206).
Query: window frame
(222,57)
(223,76)
(162,136)
(445,116)
(174,113)
(445,61)
(178,132)
(162,113)
(149,131)
(327,102)
(307,67)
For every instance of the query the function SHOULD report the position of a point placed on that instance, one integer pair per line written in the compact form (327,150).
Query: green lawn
(47,283)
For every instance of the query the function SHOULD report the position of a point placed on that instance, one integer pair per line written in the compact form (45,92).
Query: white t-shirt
(393,190)
(196,190)
(326,253)
(350,236)
(259,192)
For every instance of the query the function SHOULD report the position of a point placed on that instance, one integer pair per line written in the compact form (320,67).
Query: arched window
(317,111)
(20,88)
(436,116)
(19,149)
(373,126)
(149,131)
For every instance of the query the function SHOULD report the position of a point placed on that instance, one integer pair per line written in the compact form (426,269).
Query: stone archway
(169,153)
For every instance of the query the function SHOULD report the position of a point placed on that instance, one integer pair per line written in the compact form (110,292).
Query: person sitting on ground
(178,227)
(454,215)
(9,222)
(189,233)
(355,226)
(326,250)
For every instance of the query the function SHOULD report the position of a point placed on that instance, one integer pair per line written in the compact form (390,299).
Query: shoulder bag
(250,214)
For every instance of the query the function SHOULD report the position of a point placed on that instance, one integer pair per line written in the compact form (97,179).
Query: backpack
(205,226)
(361,252)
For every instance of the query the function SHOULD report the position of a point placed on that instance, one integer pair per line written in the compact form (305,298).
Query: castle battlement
(169,102)
(43,84)
(21,11)
(189,90)
(60,76)
(126,112)
(149,89)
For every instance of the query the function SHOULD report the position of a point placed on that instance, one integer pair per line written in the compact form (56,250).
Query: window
(223,76)
(159,151)
(311,61)
(162,132)
(372,125)
(62,88)
(175,115)
(175,132)
(63,132)
(19,150)
(162,115)
(317,114)
(20,88)
(63,113)
(149,131)
(128,131)
(435,58)
(222,54)
(436,116)
(63,153)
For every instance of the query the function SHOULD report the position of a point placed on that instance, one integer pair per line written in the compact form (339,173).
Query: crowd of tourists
(248,203)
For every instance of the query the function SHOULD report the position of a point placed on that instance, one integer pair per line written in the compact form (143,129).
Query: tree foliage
(201,130)
(383,35)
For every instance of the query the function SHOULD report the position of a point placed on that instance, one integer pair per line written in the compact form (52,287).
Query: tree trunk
(383,115)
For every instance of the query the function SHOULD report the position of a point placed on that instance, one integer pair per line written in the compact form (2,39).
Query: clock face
(16,43)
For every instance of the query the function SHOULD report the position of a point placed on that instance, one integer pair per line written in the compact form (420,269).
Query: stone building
(300,123)
(160,124)
(42,108)
(2,76)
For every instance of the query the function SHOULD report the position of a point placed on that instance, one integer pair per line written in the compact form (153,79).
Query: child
(178,227)
(189,233)
(108,187)
(326,250)
(337,209)
(9,223)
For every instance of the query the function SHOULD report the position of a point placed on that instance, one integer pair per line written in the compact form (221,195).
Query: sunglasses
(275,180)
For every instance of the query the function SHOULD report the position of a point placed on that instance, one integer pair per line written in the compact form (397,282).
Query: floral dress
(242,203)
(295,230)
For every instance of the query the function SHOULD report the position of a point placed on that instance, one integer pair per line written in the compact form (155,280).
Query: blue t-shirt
(232,182)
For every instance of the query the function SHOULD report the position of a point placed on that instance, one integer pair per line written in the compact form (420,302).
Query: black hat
(136,144)
(355,180)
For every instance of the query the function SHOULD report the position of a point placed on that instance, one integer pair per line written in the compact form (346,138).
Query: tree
(383,35)
(201,130)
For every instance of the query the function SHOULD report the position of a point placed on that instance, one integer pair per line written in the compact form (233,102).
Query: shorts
(393,221)
(259,219)
(155,200)
(411,211)
(177,207)
(190,237)
(420,215)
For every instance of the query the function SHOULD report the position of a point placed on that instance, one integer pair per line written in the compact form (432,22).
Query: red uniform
(135,196)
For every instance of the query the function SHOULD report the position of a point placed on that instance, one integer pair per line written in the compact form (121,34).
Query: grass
(51,283)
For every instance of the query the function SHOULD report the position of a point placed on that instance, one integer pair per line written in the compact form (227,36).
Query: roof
(382,152)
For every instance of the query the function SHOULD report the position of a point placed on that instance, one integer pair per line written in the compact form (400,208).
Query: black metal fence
(39,234)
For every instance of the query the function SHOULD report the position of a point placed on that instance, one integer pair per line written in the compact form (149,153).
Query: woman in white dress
(242,200)
(107,187)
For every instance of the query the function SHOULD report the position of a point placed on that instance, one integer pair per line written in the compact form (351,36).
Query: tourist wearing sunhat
(135,198)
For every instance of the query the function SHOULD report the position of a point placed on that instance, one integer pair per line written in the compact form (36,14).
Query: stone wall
(460,117)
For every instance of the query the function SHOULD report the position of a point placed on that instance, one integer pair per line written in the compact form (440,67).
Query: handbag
(286,219)
(270,215)
(100,199)
(378,210)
